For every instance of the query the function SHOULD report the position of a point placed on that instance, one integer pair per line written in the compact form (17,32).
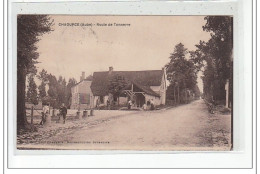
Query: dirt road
(187,127)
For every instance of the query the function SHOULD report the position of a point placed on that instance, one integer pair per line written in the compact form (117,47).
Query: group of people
(98,103)
(130,103)
(150,103)
(46,111)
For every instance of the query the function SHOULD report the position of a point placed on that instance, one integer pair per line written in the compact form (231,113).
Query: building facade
(142,87)
(82,96)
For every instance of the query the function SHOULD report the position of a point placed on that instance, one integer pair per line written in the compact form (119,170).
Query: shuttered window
(84,98)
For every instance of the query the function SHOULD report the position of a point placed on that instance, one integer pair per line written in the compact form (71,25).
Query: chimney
(82,77)
(110,69)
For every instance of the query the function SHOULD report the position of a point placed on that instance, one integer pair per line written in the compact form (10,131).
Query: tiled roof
(143,79)
(89,78)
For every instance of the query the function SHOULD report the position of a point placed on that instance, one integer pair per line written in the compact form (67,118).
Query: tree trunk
(174,94)
(178,94)
(21,112)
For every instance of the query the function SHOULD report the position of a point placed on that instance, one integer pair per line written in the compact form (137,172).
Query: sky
(142,43)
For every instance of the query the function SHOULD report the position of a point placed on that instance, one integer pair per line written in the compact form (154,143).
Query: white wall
(163,89)
(95,98)
(156,100)
(156,89)
(82,87)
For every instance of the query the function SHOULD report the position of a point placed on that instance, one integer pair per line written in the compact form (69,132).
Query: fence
(34,116)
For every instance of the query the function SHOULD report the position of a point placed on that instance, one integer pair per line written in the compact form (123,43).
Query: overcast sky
(144,45)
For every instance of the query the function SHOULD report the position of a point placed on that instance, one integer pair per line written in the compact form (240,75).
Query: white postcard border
(241,157)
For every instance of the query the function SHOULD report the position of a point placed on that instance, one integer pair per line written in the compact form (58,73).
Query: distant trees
(181,73)
(53,91)
(42,91)
(29,30)
(59,91)
(215,56)
(68,94)
(31,95)
(43,77)
(196,91)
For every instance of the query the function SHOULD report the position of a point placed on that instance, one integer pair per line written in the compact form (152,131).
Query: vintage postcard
(150,83)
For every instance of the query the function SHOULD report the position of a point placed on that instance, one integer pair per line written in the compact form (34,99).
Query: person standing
(63,112)
(108,104)
(45,112)
(129,104)
(97,103)
(152,105)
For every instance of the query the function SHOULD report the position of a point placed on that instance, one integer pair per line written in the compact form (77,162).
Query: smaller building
(82,96)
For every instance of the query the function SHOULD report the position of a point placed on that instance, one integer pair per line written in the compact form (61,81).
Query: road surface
(186,127)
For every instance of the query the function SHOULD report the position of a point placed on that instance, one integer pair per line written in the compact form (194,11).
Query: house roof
(89,78)
(145,89)
(143,79)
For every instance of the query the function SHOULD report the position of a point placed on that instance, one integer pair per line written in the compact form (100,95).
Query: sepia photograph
(124,82)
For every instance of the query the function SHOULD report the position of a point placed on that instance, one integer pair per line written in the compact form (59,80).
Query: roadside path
(187,127)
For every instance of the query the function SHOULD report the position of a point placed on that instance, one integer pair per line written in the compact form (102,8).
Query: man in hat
(63,112)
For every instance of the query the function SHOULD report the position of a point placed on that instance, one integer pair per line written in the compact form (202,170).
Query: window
(84,98)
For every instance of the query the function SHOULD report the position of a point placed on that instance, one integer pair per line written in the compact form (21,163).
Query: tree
(196,91)
(61,89)
(215,56)
(32,90)
(53,91)
(29,30)
(42,91)
(181,73)
(116,84)
(170,92)
(70,84)
(43,77)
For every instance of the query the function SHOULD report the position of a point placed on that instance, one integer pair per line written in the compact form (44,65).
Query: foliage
(59,91)
(70,84)
(215,56)
(170,92)
(42,91)
(181,73)
(116,84)
(43,76)
(29,30)
(53,91)
(196,91)
(31,95)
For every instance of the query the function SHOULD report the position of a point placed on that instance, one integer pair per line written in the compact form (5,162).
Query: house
(82,96)
(142,87)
